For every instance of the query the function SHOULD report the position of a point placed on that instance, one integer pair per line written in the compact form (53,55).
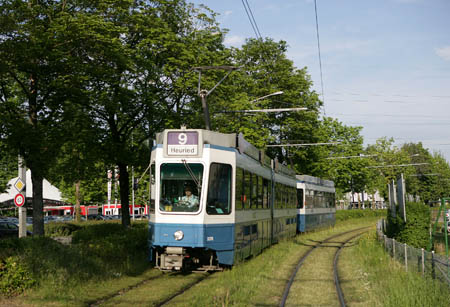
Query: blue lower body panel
(216,237)
(308,222)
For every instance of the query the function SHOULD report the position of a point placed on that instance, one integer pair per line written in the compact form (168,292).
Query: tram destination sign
(182,143)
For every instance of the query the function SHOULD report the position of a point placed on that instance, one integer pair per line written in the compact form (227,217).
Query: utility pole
(205,93)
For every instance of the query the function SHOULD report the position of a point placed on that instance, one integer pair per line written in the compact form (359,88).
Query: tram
(216,201)
(316,203)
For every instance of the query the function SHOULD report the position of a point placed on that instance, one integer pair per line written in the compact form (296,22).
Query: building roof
(49,191)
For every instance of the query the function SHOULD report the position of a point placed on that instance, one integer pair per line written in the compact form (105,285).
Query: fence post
(384,242)
(393,248)
(433,272)
(423,262)
(406,257)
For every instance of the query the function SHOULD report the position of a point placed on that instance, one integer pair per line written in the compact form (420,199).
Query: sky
(385,63)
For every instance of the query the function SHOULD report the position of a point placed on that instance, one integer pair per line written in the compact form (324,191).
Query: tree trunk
(77,201)
(38,204)
(124,194)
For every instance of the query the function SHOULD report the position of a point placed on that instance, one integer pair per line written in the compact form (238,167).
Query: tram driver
(190,200)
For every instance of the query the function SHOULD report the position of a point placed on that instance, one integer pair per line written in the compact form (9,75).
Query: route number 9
(182,138)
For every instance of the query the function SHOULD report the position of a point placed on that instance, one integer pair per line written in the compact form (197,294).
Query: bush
(344,215)
(115,246)
(14,276)
(415,232)
(60,229)
(98,252)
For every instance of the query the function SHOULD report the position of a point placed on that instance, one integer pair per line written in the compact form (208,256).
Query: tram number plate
(182,143)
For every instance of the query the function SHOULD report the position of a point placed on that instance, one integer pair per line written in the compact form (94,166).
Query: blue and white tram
(316,203)
(243,203)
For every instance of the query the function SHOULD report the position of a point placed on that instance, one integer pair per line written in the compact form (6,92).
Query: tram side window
(277,195)
(320,199)
(291,197)
(239,189)
(260,192)
(255,190)
(265,194)
(247,189)
(300,203)
(219,189)
(330,200)
(309,199)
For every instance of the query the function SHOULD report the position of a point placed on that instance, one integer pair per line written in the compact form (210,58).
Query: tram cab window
(180,187)
(219,189)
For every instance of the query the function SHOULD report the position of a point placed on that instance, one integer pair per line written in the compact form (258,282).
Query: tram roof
(229,140)
(315,180)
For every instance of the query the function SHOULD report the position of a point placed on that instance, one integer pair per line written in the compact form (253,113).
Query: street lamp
(264,110)
(264,97)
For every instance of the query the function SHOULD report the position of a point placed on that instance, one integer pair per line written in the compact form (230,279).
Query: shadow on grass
(98,252)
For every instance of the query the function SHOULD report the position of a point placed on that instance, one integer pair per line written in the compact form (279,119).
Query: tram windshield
(180,187)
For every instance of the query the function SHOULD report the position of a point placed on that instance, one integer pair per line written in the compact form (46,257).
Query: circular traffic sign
(19,200)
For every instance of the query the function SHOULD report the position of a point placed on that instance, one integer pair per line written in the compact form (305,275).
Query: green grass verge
(104,259)
(372,278)
(99,253)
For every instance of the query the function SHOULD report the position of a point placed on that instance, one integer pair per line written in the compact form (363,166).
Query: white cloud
(234,40)
(443,52)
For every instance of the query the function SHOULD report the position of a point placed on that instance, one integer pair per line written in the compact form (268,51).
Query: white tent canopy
(49,191)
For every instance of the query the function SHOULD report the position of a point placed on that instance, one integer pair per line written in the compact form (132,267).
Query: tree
(135,55)
(265,69)
(79,168)
(36,82)
(342,162)
(8,167)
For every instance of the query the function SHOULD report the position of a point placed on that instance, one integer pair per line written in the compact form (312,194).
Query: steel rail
(108,297)
(182,290)
(336,274)
(303,258)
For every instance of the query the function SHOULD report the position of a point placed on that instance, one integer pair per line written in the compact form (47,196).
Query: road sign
(19,185)
(19,200)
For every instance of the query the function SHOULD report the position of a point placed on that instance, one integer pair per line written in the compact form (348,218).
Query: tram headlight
(178,235)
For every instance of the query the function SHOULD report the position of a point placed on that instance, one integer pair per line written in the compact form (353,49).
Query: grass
(375,279)
(101,261)
(260,281)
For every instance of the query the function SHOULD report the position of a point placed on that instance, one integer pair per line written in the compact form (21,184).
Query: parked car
(10,230)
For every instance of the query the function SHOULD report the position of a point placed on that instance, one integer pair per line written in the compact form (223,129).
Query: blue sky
(385,63)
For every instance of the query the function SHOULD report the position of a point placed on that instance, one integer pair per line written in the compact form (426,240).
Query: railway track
(182,290)
(176,284)
(166,288)
(323,244)
(109,297)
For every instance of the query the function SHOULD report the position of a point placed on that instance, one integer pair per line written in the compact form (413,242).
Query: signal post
(19,199)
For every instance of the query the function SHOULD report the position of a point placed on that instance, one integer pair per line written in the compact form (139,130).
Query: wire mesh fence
(416,259)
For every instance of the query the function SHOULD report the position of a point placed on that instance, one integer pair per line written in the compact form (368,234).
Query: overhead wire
(320,57)
(251,18)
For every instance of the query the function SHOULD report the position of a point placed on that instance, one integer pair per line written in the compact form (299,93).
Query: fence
(416,259)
